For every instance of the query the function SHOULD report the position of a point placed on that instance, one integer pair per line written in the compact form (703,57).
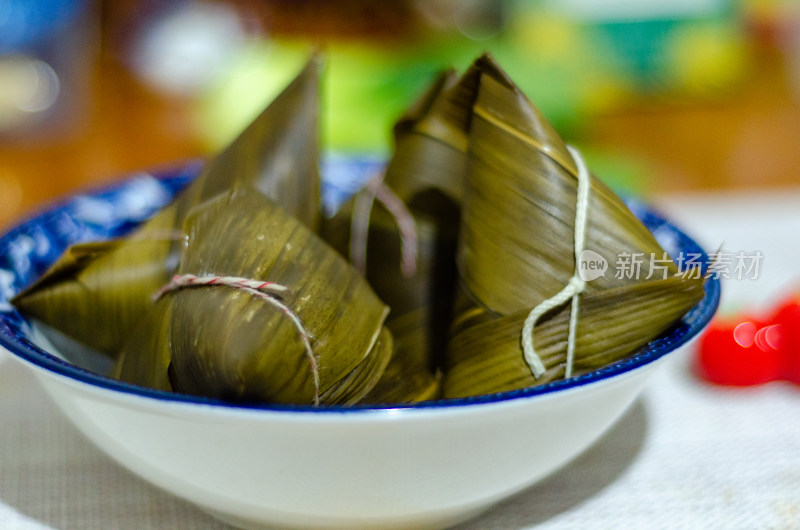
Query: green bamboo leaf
(361,381)
(226,343)
(517,249)
(426,172)
(405,380)
(520,204)
(613,324)
(106,293)
(144,359)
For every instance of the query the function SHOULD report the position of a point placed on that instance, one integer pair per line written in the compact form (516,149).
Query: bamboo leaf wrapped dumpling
(223,341)
(520,204)
(425,174)
(104,296)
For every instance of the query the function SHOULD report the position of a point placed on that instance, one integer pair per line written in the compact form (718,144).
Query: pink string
(190,280)
(260,289)
(377,189)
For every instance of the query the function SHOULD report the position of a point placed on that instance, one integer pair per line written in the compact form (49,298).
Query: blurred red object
(748,351)
(787,316)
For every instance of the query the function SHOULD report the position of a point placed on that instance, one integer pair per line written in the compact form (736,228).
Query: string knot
(576,284)
(573,288)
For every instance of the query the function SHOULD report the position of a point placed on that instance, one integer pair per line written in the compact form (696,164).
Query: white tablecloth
(687,454)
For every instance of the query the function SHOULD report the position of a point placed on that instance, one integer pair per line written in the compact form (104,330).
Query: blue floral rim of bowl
(28,249)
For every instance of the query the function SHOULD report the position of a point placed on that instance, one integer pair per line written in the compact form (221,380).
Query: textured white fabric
(687,455)
(51,477)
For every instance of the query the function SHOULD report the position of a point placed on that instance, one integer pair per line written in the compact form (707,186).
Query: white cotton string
(574,287)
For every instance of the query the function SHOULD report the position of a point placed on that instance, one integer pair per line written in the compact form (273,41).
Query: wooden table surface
(747,139)
(125,127)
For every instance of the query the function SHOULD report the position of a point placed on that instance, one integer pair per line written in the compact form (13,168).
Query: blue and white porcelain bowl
(424,465)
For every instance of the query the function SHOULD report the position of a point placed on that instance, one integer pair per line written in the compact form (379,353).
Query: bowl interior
(29,248)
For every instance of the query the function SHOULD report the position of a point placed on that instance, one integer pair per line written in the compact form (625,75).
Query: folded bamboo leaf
(410,376)
(226,343)
(427,173)
(405,380)
(520,204)
(74,259)
(613,324)
(99,299)
(517,249)
(145,357)
(277,154)
(145,361)
(430,140)
(361,381)
(106,292)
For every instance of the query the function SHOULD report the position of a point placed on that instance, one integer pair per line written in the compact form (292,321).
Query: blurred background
(661,95)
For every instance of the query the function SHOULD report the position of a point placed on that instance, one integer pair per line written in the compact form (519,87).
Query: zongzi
(522,201)
(100,298)
(318,338)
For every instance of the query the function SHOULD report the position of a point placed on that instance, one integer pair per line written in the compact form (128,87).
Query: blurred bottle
(45,63)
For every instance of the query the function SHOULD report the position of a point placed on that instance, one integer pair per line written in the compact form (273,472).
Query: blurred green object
(366,87)
(613,52)
(624,174)
(363,92)
(575,59)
